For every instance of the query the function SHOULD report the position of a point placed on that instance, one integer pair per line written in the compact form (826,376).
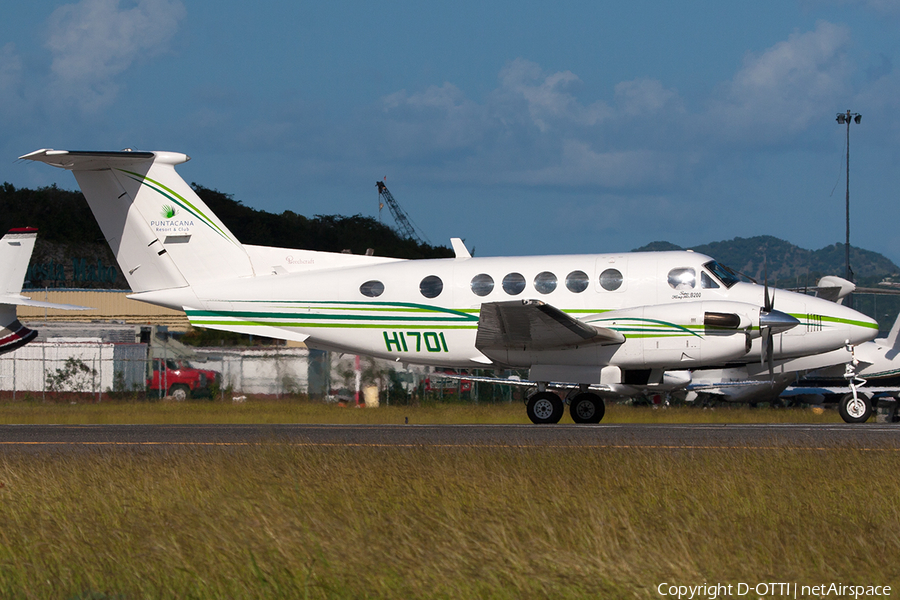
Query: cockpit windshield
(722,273)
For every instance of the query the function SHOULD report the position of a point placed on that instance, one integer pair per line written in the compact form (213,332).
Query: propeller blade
(768,303)
(770,352)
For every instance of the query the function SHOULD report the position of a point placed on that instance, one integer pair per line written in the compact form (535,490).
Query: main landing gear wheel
(855,410)
(544,407)
(587,408)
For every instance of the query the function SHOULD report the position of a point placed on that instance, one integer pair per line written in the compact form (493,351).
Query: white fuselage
(661,317)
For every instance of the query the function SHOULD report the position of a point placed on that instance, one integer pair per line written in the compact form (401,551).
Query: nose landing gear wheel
(544,407)
(587,408)
(855,410)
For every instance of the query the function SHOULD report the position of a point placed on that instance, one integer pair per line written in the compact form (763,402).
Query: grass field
(288,522)
(276,521)
(294,411)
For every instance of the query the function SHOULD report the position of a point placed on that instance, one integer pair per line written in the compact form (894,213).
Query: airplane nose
(865,329)
(777,321)
(857,327)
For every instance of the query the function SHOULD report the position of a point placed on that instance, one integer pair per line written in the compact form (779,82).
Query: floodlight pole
(841,119)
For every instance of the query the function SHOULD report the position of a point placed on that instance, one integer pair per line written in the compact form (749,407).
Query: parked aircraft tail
(15,252)
(893,338)
(162,234)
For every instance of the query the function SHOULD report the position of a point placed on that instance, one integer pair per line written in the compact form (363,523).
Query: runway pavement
(810,437)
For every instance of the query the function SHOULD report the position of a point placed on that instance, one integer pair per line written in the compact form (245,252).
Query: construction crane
(404,225)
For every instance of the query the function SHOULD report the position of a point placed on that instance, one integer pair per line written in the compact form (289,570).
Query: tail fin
(162,234)
(15,252)
(893,338)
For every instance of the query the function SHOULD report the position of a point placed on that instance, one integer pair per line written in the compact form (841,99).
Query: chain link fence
(91,368)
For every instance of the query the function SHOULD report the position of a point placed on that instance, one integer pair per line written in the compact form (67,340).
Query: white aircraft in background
(15,252)
(875,372)
(575,320)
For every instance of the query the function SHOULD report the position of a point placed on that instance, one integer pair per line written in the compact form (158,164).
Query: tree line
(70,241)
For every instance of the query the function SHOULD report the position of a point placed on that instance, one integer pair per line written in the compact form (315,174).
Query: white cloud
(580,165)
(447,98)
(535,129)
(646,97)
(10,67)
(10,81)
(93,41)
(549,98)
(435,121)
(782,90)
(532,130)
(10,70)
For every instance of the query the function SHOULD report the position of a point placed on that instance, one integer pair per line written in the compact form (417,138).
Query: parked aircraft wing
(535,325)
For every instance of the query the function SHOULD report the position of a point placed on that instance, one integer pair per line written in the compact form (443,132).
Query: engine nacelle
(682,335)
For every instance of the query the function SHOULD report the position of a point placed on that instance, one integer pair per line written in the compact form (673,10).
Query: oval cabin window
(611,280)
(482,284)
(577,281)
(431,286)
(372,289)
(545,282)
(514,284)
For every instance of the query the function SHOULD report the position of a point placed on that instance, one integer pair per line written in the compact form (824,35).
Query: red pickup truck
(179,381)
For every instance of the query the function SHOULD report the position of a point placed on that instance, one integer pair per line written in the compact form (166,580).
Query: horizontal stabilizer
(535,325)
(18,300)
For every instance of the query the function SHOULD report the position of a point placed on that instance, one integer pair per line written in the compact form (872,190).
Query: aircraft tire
(587,408)
(180,392)
(545,408)
(855,411)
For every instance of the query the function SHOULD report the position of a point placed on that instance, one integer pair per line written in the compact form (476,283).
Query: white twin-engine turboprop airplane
(578,320)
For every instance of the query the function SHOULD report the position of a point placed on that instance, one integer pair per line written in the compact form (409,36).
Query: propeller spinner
(771,322)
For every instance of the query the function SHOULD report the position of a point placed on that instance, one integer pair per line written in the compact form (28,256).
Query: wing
(535,325)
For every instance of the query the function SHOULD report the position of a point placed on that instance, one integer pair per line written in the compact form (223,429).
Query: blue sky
(522,127)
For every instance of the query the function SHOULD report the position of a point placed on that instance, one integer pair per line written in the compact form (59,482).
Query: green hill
(788,264)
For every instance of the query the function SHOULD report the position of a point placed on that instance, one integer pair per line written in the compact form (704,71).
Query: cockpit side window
(682,278)
(707,282)
(723,273)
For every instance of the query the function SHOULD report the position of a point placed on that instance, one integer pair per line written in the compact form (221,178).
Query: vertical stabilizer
(162,234)
(893,337)
(15,252)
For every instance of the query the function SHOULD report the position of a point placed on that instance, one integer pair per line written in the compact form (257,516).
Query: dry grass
(294,522)
(297,411)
